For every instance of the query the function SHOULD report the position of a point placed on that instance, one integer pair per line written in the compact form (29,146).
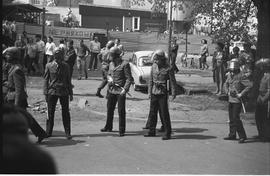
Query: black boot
(98,94)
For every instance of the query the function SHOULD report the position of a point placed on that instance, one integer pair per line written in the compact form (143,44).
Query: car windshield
(145,61)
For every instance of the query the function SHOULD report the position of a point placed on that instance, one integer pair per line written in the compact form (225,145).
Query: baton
(243,106)
(242,103)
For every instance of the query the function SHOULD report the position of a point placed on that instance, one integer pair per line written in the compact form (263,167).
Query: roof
(116,7)
(101,10)
(143,53)
(20,7)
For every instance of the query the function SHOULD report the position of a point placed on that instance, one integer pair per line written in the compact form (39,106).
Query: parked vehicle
(140,64)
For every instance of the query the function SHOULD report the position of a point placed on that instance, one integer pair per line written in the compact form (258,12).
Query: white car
(140,65)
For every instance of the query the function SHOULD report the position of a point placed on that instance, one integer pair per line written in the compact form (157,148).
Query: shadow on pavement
(85,95)
(58,142)
(112,134)
(255,139)
(197,137)
(189,130)
(136,99)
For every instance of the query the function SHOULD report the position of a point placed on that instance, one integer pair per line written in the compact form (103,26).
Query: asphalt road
(195,149)
(199,124)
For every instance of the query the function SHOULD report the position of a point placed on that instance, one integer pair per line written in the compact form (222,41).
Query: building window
(136,23)
(36,2)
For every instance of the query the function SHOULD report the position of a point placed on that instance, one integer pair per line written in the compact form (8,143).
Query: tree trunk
(263,45)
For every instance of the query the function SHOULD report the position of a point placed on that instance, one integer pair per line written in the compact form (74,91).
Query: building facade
(120,19)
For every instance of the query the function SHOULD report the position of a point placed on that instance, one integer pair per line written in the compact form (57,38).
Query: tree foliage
(229,18)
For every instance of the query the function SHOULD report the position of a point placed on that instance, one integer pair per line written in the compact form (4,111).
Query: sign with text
(73,32)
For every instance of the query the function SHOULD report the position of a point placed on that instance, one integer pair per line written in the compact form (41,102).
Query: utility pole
(43,22)
(170,31)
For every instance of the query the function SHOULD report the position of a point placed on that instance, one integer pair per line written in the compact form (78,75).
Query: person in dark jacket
(262,113)
(57,85)
(70,56)
(16,88)
(174,52)
(161,72)
(237,86)
(119,81)
(19,154)
(104,58)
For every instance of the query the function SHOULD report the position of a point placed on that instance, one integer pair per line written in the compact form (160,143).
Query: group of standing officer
(117,74)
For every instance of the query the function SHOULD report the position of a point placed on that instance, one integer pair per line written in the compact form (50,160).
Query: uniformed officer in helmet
(104,58)
(119,81)
(262,113)
(161,72)
(237,86)
(57,85)
(16,88)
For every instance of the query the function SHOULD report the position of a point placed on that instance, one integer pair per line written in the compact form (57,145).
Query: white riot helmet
(234,65)
(263,63)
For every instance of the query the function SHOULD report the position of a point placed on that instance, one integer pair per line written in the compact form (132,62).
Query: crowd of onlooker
(36,52)
(9,33)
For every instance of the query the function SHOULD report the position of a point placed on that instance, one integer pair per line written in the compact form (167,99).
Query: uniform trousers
(93,60)
(33,124)
(104,79)
(52,101)
(159,102)
(235,124)
(40,56)
(148,121)
(81,65)
(111,103)
(262,121)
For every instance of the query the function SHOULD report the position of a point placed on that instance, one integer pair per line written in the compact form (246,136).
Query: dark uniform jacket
(237,84)
(70,56)
(104,57)
(16,86)
(158,80)
(5,68)
(264,90)
(121,76)
(57,79)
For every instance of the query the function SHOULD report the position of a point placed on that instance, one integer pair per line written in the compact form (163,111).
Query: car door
(134,69)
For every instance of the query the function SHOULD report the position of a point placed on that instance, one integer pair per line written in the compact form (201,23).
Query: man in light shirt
(120,46)
(50,47)
(40,52)
(82,53)
(95,50)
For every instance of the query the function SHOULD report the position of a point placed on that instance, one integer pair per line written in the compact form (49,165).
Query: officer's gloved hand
(239,95)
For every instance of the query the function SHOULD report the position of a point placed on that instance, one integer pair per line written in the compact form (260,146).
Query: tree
(229,20)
